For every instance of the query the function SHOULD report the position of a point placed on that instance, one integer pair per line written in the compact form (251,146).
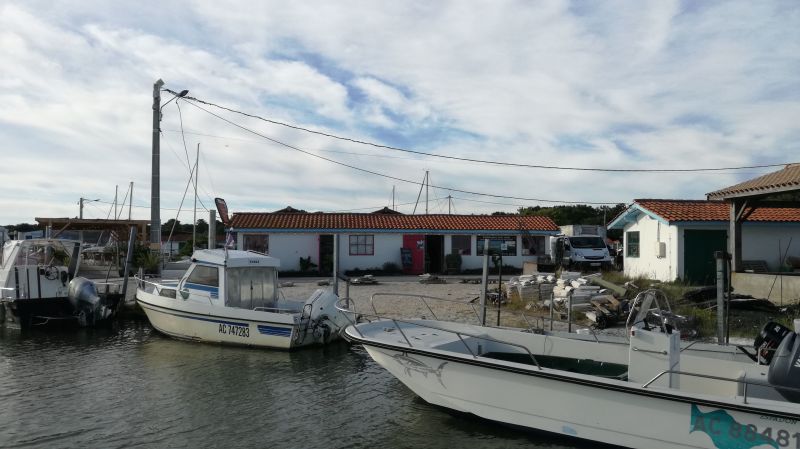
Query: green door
(700,267)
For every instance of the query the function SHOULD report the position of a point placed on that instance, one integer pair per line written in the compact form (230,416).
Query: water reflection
(129,386)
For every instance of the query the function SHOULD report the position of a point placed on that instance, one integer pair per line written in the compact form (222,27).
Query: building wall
(290,247)
(760,241)
(387,249)
(648,264)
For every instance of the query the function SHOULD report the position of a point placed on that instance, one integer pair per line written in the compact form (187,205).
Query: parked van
(581,251)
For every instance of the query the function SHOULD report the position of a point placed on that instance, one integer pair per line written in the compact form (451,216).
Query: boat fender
(784,369)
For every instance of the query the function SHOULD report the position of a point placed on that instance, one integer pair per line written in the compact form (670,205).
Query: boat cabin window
(251,287)
(204,275)
(31,254)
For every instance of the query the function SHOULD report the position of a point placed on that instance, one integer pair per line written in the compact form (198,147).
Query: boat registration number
(239,331)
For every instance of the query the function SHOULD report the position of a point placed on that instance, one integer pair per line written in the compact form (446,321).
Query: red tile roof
(699,210)
(785,180)
(260,220)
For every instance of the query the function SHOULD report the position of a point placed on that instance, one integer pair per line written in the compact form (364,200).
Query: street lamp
(84,200)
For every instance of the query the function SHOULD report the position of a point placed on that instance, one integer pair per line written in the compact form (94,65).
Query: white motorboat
(232,297)
(38,286)
(648,393)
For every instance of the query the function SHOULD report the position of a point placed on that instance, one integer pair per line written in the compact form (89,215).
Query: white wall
(761,241)
(648,264)
(289,248)
(387,249)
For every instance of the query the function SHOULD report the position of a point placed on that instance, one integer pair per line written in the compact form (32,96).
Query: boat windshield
(43,253)
(587,242)
(251,287)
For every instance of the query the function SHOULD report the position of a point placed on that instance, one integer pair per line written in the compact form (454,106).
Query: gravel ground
(400,298)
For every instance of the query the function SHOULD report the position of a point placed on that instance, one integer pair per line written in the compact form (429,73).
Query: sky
(613,84)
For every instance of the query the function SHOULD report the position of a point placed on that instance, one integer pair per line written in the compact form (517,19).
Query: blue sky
(629,84)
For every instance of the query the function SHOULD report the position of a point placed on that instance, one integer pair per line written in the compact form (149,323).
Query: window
(632,244)
(588,242)
(462,244)
(362,245)
(251,287)
(505,245)
(204,275)
(256,242)
(533,246)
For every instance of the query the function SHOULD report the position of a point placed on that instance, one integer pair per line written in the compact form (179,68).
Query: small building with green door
(676,239)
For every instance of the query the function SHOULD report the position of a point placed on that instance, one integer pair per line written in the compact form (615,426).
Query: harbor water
(130,386)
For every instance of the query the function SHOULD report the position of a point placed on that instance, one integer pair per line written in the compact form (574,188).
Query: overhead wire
(482,161)
(372,172)
(186,150)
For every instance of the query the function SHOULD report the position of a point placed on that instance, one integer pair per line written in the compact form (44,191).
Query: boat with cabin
(650,392)
(233,297)
(39,286)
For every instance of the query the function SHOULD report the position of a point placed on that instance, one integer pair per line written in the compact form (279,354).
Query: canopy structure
(744,198)
(121,227)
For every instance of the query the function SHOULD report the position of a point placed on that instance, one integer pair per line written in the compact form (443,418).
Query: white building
(415,243)
(676,239)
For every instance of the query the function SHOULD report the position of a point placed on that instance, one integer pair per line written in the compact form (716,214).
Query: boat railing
(348,312)
(738,380)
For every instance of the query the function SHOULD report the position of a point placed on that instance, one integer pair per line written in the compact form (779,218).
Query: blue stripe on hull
(275,331)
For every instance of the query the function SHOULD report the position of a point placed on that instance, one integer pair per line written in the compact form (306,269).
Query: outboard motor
(770,337)
(87,303)
(784,371)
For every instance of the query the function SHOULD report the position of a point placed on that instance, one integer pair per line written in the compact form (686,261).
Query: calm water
(130,386)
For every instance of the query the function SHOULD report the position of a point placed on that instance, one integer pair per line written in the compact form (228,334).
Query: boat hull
(31,313)
(574,406)
(185,320)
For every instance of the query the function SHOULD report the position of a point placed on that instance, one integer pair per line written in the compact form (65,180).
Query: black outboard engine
(771,336)
(784,371)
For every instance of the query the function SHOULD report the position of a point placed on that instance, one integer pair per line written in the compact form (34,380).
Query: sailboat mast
(194,220)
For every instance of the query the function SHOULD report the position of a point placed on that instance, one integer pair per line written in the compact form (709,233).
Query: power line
(508,164)
(389,176)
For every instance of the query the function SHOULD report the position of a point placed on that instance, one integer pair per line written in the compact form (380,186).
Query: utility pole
(449,203)
(427,182)
(80,214)
(155,188)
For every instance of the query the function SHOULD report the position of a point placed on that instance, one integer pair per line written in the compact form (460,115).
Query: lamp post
(155,187)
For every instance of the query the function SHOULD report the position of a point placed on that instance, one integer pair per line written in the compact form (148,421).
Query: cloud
(591,84)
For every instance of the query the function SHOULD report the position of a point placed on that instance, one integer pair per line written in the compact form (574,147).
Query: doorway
(698,255)
(434,254)
(326,255)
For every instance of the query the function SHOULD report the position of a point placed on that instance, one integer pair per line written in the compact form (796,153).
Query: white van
(581,251)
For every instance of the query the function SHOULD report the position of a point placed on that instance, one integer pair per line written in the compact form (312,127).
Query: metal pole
(130,202)
(499,286)
(212,229)
(335,264)
(484,280)
(80,214)
(719,255)
(128,260)
(116,197)
(427,182)
(194,209)
(155,188)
